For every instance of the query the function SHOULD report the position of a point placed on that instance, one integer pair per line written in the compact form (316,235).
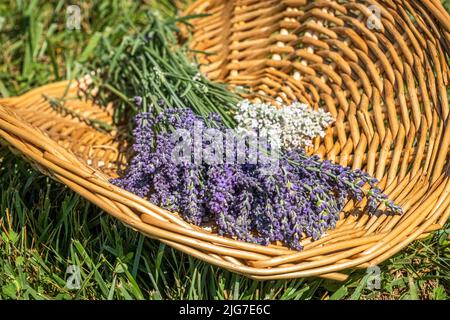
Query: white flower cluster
(296,124)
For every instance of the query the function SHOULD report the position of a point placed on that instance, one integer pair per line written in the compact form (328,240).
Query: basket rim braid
(387,89)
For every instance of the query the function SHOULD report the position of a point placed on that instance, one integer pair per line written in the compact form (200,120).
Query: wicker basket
(384,81)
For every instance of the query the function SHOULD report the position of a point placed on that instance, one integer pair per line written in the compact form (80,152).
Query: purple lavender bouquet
(302,198)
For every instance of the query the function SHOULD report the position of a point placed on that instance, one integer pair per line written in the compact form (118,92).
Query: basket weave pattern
(386,87)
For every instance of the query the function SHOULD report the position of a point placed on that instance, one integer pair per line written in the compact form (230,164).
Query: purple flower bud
(137,100)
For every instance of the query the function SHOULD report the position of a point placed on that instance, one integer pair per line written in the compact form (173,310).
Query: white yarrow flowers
(297,124)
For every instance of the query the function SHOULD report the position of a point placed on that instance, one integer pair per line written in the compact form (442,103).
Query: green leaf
(358,291)
(412,289)
(439,293)
(10,291)
(340,293)
(92,44)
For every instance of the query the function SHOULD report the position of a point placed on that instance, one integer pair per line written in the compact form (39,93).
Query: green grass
(44,227)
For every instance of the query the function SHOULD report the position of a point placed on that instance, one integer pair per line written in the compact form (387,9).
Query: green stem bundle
(152,66)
